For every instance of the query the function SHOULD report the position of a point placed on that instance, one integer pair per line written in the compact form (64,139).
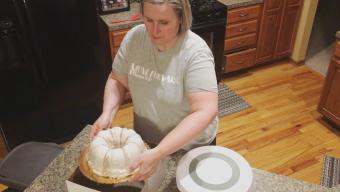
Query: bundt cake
(113,150)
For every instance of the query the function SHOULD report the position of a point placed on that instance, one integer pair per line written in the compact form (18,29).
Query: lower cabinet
(279,22)
(116,37)
(329,104)
(241,37)
(240,60)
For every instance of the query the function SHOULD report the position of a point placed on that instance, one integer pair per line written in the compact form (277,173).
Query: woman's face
(162,24)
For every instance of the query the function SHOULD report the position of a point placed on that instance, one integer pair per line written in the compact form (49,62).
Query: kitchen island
(61,169)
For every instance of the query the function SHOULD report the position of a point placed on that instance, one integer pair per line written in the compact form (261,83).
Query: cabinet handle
(243,14)
(240,42)
(242,29)
(239,62)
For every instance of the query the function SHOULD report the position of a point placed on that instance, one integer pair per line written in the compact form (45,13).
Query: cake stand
(87,171)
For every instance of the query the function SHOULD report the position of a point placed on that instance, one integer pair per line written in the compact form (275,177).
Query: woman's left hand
(147,164)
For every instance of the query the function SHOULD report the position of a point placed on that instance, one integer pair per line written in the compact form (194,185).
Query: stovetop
(207,11)
(200,6)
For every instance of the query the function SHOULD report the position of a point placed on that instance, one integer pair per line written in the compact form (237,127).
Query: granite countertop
(134,9)
(239,3)
(338,35)
(61,169)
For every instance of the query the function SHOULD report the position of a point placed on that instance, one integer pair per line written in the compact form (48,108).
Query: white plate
(213,169)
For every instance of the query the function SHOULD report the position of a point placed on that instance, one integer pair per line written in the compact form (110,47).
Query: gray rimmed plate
(213,169)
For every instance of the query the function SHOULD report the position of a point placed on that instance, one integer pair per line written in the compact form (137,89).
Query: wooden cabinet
(329,104)
(287,30)
(240,59)
(116,37)
(277,29)
(241,37)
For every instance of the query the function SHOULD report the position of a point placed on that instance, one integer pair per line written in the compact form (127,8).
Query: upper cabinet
(277,29)
(329,104)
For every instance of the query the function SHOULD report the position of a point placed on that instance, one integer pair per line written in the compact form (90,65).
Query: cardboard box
(79,183)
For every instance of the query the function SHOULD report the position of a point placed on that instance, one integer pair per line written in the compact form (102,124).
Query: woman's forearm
(114,94)
(189,128)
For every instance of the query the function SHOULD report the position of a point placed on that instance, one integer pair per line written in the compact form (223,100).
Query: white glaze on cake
(113,150)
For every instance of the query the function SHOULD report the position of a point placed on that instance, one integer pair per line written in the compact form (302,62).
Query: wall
(316,33)
(304,30)
(326,23)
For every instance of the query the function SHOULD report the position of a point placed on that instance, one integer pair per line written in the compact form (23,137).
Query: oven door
(213,34)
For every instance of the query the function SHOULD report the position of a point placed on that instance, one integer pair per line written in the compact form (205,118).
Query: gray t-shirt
(159,82)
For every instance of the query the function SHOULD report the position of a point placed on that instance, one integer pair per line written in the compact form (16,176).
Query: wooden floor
(282,132)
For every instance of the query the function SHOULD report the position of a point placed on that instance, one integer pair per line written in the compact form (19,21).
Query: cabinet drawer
(117,37)
(337,49)
(242,14)
(239,60)
(243,41)
(293,2)
(241,28)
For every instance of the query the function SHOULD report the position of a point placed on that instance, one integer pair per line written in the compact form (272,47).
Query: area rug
(229,102)
(330,175)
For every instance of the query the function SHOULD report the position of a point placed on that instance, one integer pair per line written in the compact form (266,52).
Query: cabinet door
(329,104)
(288,27)
(270,24)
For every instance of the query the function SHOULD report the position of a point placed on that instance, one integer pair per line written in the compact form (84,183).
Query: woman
(170,74)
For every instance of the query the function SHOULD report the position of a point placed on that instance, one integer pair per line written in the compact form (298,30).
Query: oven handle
(208,25)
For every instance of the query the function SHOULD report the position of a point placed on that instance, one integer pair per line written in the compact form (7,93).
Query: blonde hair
(181,8)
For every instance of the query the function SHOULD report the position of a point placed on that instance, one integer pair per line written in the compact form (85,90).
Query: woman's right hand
(104,121)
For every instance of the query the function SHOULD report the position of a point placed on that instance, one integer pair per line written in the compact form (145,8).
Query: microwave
(105,7)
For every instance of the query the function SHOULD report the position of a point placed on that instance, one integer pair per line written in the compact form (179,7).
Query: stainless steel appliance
(209,21)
